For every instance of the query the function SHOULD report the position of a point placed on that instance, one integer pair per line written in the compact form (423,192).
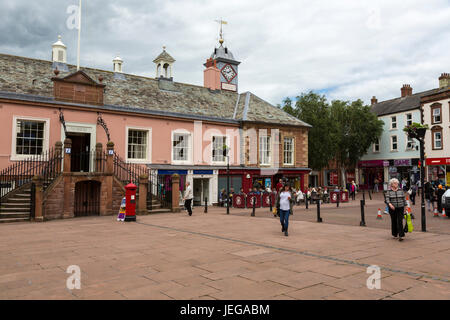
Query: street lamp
(417,131)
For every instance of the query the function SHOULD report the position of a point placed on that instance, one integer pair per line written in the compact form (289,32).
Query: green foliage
(342,130)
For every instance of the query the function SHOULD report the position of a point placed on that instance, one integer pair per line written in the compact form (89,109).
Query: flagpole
(79,36)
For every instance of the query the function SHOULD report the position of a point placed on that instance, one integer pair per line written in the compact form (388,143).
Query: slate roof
(28,76)
(400,104)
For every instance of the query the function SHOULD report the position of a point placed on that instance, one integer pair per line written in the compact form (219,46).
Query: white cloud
(354,49)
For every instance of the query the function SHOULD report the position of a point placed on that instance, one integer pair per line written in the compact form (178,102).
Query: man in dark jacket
(439,193)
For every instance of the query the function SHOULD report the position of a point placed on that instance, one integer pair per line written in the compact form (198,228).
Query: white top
(284,200)
(188,193)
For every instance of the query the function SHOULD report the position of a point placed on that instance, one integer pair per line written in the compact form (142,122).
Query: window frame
(411,121)
(392,143)
(292,151)
(433,138)
(408,141)
(269,149)
(189,160)
(433,107)
(394,122)
(225,142)
(148,152)
(374,144)
(45,145)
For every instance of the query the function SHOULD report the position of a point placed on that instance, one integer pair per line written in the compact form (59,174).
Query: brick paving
(218,256)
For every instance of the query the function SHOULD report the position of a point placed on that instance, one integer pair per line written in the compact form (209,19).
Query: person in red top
(279,185)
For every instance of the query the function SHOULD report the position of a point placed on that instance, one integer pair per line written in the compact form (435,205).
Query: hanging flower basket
(416,130)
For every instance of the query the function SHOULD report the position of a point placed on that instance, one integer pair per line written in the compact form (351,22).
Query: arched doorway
(87,198)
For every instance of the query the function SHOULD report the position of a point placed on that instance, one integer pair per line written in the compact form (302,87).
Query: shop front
(404,169)
(372,171)
(438,170)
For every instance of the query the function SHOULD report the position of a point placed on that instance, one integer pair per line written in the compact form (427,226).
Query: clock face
(228,72)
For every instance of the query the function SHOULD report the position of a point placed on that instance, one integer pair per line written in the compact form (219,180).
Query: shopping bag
(409,222)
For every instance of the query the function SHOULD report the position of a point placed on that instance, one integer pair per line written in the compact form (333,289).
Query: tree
(356,128)
(342,131)
(314,110)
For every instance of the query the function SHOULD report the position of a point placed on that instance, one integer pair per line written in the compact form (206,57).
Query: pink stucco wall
(161,132)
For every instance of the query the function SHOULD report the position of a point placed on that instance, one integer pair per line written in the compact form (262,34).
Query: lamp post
(417,131)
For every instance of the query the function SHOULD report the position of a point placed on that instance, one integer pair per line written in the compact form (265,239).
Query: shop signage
(172,171)
(374,163)
(203,171)
(402,163)
(437,161)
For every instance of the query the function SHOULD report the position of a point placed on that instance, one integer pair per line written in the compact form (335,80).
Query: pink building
(157,123)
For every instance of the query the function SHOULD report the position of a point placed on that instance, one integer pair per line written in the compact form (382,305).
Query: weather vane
(221,22)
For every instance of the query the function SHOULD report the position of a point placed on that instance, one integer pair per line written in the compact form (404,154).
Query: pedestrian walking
(353,190)
(439,193)
(285,205)
(375,185)
(188,195)
(413,193)
(395,199)
(429,195)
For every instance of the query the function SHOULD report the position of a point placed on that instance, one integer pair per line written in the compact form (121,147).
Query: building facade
(435,112)
(166,126)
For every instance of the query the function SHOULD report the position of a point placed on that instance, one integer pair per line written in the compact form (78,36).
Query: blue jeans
(284,218)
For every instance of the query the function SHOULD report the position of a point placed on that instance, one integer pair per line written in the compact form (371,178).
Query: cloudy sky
(345,49)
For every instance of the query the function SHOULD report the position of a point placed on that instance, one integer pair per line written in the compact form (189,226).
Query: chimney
(406,90)
(444,80)
(211,75)
(373,101)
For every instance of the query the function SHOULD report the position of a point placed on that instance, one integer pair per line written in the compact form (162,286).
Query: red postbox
(130,196)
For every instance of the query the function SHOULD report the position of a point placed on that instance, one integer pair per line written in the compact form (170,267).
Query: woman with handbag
(395,199)
(285,205)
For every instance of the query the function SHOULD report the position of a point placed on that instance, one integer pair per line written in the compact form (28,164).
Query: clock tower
(227,66)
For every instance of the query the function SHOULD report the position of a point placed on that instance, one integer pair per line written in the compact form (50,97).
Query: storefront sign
(374,163)
(172,171)
(437,161)
(402,163)
(203,171)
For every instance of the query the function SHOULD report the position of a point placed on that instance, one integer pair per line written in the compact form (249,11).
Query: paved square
(217,256)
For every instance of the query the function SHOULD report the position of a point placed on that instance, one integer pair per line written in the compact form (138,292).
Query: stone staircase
(17,207)
(156,207)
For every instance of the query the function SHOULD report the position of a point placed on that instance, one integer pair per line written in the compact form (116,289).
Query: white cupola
(59,51)
(117,64)
(164,63)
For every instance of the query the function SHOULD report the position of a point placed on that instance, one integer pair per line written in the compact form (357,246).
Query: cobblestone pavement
(218,256)
(350,214)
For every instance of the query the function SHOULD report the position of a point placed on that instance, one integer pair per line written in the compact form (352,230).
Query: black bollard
(319,219)
(338,198)
(206,204)
(363,221)
(364,197)
(254,205)
(306,201)
(370,195)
